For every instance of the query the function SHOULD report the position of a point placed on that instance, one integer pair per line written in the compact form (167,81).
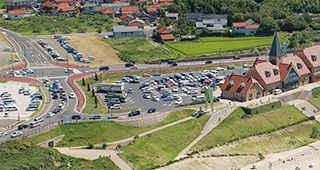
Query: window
(231,82)
(275,71)
(314,58)
(270,91)
(268,74)
(299,65)
(242,85)
(258,94)
(250,96)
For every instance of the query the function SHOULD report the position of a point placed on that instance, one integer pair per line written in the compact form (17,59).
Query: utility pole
(68,65)
(159,63)
(101,71)
(220,56)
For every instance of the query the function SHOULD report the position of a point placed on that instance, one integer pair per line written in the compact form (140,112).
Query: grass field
(93,45)
(43,25)
(234,127)
(24,155)
(136,49)
(2,4)
(80,135)
(315,101)
(207,45)
(162,146)
(282,140)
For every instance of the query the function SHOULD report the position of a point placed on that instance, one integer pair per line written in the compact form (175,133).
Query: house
(49,5)
(172,16)
(241,88)
(289,76)
(300,67)
(116,7)
(311,57)
(167,37)
(152,10)
(218,19)
(89,8)
(64,1)
(211,25)
(146,17)
(126,18)
(131,10)
(127,31)
(247,27)
(65,9)
(166,2)
(17,4)
(108,12)
(16,14)
(137,22)
(163,30)
(188,37)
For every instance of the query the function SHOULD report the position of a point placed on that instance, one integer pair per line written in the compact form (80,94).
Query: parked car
(22,126)
(3,134)
(95,117)
(156,74)
(115,107)
(208,62)
(104,68)
(230,67)
(75,117)
(134,113)
(277,91)
(151,110)
(220,69)
(16,134)
(129,64)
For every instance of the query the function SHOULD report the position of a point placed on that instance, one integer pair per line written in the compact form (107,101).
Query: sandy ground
(6,55)
(212,163)
(22,101)
(92,45)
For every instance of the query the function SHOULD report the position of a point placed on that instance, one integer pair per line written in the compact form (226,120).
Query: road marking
(57,77)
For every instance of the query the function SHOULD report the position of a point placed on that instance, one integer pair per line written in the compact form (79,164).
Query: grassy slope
(77,135)
(164,145)
(213,44)
(235,127)
(136,49)
(19,155)
(315,101)
(286,139)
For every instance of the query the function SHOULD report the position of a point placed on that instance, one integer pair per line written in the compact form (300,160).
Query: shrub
(315,133)
(262,108)
(90,146)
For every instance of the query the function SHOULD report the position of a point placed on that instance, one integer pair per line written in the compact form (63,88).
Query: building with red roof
(126,18)
(65,9)
(132,10)
(108,12)
(63,1)
(247,27)
(15,14)
(167,37)
(311,57)
(152,10)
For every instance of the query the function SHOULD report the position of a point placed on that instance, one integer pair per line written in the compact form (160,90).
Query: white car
(175,89)
(277,91)
(40,119)
(115,107)
(16,134)
(72,96)
(178,102)
(220,69)
(51,114)
(3,134)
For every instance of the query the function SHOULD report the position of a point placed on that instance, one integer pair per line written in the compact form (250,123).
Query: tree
(88,87)
(96,77)
(269,25)
(83,82)
(93,93)
(95,101)
(315,133)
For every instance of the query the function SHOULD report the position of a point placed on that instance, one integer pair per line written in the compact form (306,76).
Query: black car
(56,110)
(174,64)
(230,67)
(95,117)
(22,126)
(208,62)
(151,110)
(134,113)
(170,61)
(236,57)
(129,64)
(104,68)
(75,117)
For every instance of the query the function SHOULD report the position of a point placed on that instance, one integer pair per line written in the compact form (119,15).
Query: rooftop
(122,28)
(238,84)
(16,12)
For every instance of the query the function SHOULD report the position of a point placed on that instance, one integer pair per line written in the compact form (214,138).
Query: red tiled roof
(133,24)
(152,9)
(167,37)
(253,26)
(143,1)
(107,11)
(310,51)
(129,9)
(52,10)
(64,1)
(122,17)
(284,70)
(295,60)
(239,24)
(237,80)
(166,1)
(65,7)
(160,30)
(48,3)
(16,12)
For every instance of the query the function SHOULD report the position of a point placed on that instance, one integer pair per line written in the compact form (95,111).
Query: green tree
(315,133)
(269,25)
(83,82)
(88,87)
(93,93)
(96,77)
(95,101)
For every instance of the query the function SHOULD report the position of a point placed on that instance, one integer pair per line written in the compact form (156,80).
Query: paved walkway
(92,154)
(305,107)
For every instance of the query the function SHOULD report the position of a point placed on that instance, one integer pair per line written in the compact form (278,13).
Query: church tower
(275,51)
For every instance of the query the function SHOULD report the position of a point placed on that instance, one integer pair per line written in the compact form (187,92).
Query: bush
(90,146)
(316,92)
(262,108)
(315,133)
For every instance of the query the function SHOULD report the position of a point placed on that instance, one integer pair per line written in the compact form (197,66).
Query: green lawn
(2,4)
(80,135)
(25,155)
(207,45)
(163,146)
(234,127)
(315,101)
(136,49)
(43,25)
(282,140)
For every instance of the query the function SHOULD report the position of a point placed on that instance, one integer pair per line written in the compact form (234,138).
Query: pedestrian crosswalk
(43,67)
(52,78)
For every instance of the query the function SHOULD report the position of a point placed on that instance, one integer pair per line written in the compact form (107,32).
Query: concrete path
(289,160)
(92,154)
(214,121)
(305,107)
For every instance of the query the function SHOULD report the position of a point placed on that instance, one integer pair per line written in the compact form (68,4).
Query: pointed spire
(275,48)
(256,61)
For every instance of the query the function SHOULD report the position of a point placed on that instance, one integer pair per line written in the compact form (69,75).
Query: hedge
(316,92)
(262,108)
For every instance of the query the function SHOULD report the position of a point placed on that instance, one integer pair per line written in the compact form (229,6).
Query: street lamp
(220,56)
(101,71)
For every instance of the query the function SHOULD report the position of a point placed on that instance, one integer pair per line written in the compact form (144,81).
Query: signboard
(214,84)
(54,86)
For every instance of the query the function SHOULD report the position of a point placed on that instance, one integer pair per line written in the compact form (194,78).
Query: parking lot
(14,104)
(168,91)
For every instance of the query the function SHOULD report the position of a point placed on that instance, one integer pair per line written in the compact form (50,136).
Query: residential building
(311,57)
(188,37)
(152,10)
(172,16)
(131,10)
(89,8)
(219,19)
(16,14)
(167,37)
(17,4)
(127,31)
(137,22)
(126,18)
(300,67)
(108,12)
(65,9)
(247,27)
(212,25)
(163,30)
(241,88)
